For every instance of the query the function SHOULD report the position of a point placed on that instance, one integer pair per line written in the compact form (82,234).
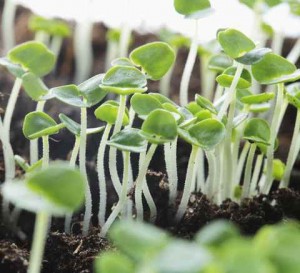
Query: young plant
(54,191)
(195,9)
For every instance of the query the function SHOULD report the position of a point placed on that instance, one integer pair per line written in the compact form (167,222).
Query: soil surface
(74,253)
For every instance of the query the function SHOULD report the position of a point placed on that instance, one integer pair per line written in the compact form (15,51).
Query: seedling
(55,191)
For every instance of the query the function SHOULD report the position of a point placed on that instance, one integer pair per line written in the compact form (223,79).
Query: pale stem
(101,175)
(8,25)
(112,157)
(187,184)
(248,171)
(200,172)
(150,201)
(39,241)
(140,181)
(211,174)
(256,172)
(82,168)
(270,151)
(126,29)
(283,108)
(187,72)
(218,93)
(294,54)
(207,78)
(241,162)
(291,156)
(56,44)
(277,42)
(11,107)
(122,201)
(45,162)
(42,36)
(111,53)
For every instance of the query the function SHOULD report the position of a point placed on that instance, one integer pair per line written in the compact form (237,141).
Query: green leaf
(274,69)
(257,98)
(58,190)
(138,240)
(254,56)
(33,56)
(175,40)
(14,69)
(226,78)
(34,86)
(91,91)
(69,94)
(219,62)
(144,104)
(189,7)
(129,140)
(159,127)
(208,133)
(186,136)
(216,233)
(122,61)
(161,98)
(91,131)
(293,94)
(235,43)
(278,169)
(155,59)
(37,124)
(294,7)
(193,107)
(35,166)
(259,108)
(113,262)
(203,114)
(257,130)
(124,80)
(205,104)
(108,112)
(70,124)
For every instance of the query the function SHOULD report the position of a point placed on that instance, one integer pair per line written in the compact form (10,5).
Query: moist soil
(75,253)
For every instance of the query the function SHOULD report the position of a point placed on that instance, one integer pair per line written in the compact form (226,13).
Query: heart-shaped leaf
(70,124)
(34,86)
(144,104)
(191,7)
(219,62)
(234,43)
(161,98)
(253,56)
(205,104)
(33,56)
(129,140)
(257,130)
(122,61)
(69,94)
(14,69)
(155,59)
(226,78)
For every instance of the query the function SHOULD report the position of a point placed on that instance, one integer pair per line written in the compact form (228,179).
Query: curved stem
(139,184)
(187,72)
(56,44)
(255,176)
(241,162)
(200,172)
(39,241)
(8,25)
(101,175)
(211,174)
(187,184)
(45,163)
(123,197)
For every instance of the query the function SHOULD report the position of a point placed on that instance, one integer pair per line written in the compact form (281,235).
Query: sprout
(57,190)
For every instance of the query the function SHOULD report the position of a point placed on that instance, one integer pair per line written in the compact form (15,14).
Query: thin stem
(126,30)
(122,201)
(270,151)
(291,156)
(42,36)
(112,160)
(200,172)
(101,175)
(241,162)
(82,167)
(39,241)
(256,172)
(211,174)
(207,78)
(111,53)
(56,44)
(218,93)
(187,184)
(187,72)
(139,184)
(8,25)
(294,54)
(45,162)
(248,171)
(11,106)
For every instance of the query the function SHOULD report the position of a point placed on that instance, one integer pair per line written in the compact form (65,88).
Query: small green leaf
(161,98)
(208,133)
(91,131)
(260,108)
(122,61)
(257,98)
(226,78)
(263,147)
(254,56)
(33,56)
(257,130)
(69,94)
(144,104)
(70,124)
(219,62)
(235,43)
(113,262)
(35,166)
(186,136)
(124,80)
(37,124)
(91,91)
(58,190)
(113,35)
(34,86)
(155,59)
(14,69)
(108,112)
(293,94)
(159,127)
(193,107)
(205,104)
(129,140)
(203,114)
(278,169)
(190,7)
(138,240)
(274,69)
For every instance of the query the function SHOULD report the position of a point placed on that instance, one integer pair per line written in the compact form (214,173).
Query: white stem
(165,82)
(248,171)
(207,78)
(218,93)
(277,42)
(283,108)
(241,162)
(126,30)
(187,72)
(82,167)
(291,156)
(45,163)
(211,174)
(140,181)
(122,201)
(56,44)
(101,175)
(39,241)
(11,106)
(42,36)
(150,201)
(111,53)
(8,25)
(294,54)
(200,172)
(256,172)
(187,184)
